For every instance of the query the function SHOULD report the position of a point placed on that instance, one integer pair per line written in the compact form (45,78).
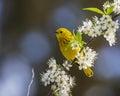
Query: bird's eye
(61,32)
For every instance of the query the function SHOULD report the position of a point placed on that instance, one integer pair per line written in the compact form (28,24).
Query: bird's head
(62,32)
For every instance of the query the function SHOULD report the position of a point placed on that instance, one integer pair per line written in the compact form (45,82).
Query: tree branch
(92,39)
(114,17)
(50,92)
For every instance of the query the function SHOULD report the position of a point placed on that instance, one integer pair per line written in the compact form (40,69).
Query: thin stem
(73,61)
(92,39)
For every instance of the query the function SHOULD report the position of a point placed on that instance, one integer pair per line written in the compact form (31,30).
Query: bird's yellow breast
(64,37)
(68,53)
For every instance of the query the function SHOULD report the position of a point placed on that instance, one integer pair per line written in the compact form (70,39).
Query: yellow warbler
(64,37)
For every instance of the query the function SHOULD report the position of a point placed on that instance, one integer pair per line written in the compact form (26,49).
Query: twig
(29,86)
(115,16)
(50,92)
(73,61)
(53,87)
(92,39)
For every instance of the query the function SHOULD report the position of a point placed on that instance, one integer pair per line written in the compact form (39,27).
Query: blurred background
(27,40)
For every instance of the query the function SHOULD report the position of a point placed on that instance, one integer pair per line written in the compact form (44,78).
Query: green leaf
(78,36)
(81,43)
(109,10)
(95,10)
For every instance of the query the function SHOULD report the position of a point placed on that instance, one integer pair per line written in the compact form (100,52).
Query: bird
(64,37)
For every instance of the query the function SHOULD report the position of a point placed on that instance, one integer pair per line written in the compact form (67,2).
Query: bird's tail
(88,71)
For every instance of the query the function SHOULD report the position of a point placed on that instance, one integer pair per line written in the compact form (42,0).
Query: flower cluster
(101,26)
(109,28)
(116,5)
(86,60)
(61,82)
(89,28)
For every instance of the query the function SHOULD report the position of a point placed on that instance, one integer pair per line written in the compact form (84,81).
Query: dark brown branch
(50,93)
(51,90)
(73,61)
(114,17)
(92,39)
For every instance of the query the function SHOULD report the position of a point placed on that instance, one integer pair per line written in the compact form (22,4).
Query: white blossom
(67,65)
(108,23)
(71,81)
(90,28)
(86,28)
(87,60)
(110,37)
(116,5)
(75,46)
(45,78)
(52,63)
(105,21)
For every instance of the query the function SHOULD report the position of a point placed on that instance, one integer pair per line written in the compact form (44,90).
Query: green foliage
(78,39)
(109,10)
(96,10)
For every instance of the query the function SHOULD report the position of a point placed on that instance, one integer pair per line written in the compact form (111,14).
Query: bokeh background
(27,40)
